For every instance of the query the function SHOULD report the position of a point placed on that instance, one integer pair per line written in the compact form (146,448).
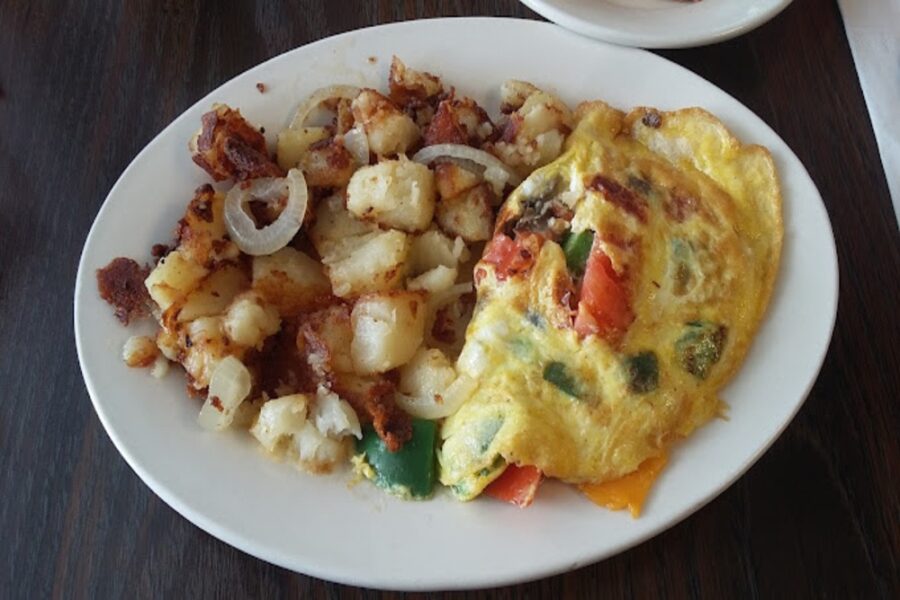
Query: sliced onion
(228,386)
(276,235)
(430,408)
(494,170)
(346,92)
(357,144)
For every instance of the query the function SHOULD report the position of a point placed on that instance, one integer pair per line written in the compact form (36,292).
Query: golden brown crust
(228,147)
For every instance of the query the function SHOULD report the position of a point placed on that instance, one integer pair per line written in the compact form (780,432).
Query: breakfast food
(320,298)
(621,290)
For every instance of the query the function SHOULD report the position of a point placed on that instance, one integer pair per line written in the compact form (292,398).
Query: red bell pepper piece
(517,484)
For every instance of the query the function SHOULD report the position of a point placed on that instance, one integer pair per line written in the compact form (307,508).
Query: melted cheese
(629,491)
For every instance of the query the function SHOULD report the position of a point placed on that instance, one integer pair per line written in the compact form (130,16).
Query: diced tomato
(516,485)
(508,256)
(603,308)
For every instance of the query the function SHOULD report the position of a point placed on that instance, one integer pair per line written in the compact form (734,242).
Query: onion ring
(276,235)
(347,92)
(495,170)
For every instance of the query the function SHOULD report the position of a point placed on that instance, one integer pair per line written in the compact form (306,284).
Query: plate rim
(635,38)
(234,538)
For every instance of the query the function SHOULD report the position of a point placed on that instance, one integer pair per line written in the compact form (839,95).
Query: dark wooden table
(85,85)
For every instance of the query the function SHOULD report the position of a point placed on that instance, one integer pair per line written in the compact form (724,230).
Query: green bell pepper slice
(577,248)
(410,472)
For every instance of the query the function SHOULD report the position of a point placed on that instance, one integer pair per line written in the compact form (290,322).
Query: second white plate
(659,23)
(357,535)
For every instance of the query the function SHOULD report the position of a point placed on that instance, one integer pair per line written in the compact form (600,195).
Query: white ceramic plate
(659,23)
(357,535)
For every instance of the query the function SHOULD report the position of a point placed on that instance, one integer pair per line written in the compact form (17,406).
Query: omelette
(620,292)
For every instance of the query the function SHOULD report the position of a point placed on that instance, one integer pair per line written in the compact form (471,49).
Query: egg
(619,294)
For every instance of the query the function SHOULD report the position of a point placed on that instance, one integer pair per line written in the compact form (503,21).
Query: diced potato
(214,293)
(249,320)
(167,342)
(139,351)
(542,112)
(328,165)
(203,347)
(372,262)
(173,278)
(535,132)
(325,337)
(452,180)
(459,121)
(409,86)
(279,418)
(394,193)
(290,281)
(160,367)
(433,249)
(294,143)
(228,387)
(201,232)
(513,94)
(316,452)
(334,225)
(387,330)
(427,375)
(435,281)
(390,130)
(333,416)
(468,215)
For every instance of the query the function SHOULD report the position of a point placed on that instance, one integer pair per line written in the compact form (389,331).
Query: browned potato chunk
(533,135)
(468,215)
(249,320)
(411,88)
(394,193)
(372,262)
(387,330)
(334,224)
(390,130)
(433,249)
(214,293)
(201,232)
(290,281)
(173,278)
(328,164)
(228,147)
(452,180)
(293,144)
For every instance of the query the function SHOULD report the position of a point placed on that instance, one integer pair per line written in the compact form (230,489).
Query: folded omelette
(620,292)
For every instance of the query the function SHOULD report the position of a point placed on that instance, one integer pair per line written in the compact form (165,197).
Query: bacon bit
(261,88)
(217,403)
(121,284)
(620,196)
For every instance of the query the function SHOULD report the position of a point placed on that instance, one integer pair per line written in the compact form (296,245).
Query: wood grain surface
(85,85)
